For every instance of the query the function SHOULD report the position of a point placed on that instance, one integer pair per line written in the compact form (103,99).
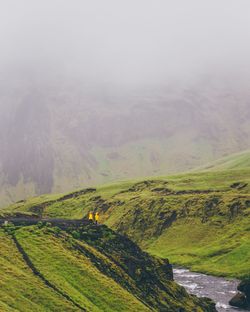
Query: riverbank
(219,289)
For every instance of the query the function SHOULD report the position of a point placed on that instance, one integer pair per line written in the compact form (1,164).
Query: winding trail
(63,223)
(36,272)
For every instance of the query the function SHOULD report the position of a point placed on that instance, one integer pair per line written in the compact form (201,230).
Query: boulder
(244,287)
(242,299)
(239,301)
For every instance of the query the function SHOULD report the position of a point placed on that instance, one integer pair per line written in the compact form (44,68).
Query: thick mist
(98,91)
(133,42)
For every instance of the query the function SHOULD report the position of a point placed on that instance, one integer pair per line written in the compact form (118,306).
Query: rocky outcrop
(239,301)
(77,194)
(242,298)
(148,278)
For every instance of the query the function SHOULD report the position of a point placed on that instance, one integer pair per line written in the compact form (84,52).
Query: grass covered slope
(211,249)
(235,161)
(20,289)
(200,219)
(85,269)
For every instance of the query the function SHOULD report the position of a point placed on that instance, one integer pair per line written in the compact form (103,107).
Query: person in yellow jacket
(96,217)
(91,216)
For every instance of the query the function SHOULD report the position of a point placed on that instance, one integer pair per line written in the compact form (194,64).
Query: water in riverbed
(220,290)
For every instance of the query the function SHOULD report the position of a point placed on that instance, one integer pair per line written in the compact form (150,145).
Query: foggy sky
(138,41)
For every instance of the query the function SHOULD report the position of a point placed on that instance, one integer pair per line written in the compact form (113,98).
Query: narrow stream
(219,289)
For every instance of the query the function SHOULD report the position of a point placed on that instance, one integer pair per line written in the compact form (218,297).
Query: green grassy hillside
(232,162)
(20,288)
(85,269)
(200,219)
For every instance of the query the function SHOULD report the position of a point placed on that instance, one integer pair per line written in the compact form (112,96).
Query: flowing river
(220,290)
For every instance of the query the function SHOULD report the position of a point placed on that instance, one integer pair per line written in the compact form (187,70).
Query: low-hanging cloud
(125,41)
(94,91)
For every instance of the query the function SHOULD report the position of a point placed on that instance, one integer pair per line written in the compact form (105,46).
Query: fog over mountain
(97,91)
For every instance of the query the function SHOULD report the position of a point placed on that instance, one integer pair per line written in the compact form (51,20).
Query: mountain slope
(58,136)
(86,269)
(200,219)
(235,161)
(35,296)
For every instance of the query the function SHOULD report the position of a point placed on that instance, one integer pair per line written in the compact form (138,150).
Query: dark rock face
(77,194)
(26,150)
(242,299)
(244,287)
(239,185)
(239,301)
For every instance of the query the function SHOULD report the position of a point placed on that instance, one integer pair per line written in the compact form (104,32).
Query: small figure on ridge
(91,216)
(96,217)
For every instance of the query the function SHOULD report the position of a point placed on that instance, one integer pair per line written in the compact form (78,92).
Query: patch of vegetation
(88,268)
(20,289)
(199,219)
(236,161)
